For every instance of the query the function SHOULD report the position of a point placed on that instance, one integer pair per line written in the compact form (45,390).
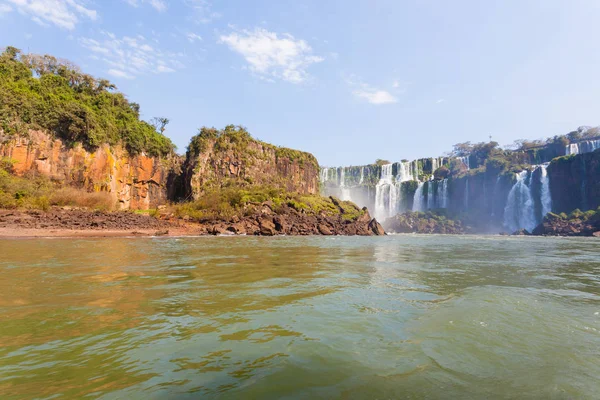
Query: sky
(349,81)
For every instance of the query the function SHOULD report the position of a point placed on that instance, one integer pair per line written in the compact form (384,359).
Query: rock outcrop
(230,157)
(135,182)
(580,225)
(285,220)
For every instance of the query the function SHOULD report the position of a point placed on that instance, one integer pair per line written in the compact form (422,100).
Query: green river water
(417,317)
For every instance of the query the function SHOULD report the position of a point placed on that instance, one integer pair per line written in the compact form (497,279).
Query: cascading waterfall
(546,198)
(362,175)
(520,207)
(519,211)
(419,200)
(586,146)
(430,196)
(385,191)
(324,175)
(442,194)
(344,191)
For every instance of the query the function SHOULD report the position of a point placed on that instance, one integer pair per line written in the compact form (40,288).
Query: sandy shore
(17,232)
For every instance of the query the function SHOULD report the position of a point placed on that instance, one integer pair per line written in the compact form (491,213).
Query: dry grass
(80,198)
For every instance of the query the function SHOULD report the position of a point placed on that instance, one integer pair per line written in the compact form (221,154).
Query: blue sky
(349,81)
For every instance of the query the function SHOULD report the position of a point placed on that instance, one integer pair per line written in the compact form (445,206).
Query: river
(405,316)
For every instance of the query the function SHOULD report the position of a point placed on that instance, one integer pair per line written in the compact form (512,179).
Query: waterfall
(385,190)
(442,194)
(430,197)
(344,191)
(586,146)
(324,175)
(362,175)
(418,203)
(434,165)
(519,211)
(545,195)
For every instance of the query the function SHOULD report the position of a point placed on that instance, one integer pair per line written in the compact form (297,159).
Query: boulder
(376,228)
(267,227)
(324,230)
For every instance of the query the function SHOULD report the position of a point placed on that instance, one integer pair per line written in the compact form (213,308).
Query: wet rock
(521,232)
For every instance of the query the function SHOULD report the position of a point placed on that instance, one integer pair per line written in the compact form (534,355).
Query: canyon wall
(135,182)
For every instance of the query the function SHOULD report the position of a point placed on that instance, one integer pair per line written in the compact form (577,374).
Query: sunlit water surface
(433,317)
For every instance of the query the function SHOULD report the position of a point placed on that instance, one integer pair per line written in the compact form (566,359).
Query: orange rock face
(136,182)
(256,164)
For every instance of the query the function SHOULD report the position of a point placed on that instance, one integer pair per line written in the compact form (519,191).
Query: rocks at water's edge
(288,221)
(556,225)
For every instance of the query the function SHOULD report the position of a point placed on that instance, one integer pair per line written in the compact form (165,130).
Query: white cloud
(62,13)
(201,11)
(270,56)
(158,5)
(375,96)
(440,101)
(369,93)
(5,9)
(119,74)
(192,37)
(396,84)
(129,57)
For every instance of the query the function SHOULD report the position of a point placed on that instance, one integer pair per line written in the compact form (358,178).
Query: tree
(461,149)
(381,162)
(159,123)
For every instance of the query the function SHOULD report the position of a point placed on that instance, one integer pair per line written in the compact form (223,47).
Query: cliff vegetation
(45,93)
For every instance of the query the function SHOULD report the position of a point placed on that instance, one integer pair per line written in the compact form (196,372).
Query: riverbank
(264,220)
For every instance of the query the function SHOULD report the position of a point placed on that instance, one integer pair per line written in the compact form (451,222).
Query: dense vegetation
(231,202)
(42,92)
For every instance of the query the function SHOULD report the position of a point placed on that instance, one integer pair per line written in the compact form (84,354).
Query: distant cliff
(231,157)
(134,181)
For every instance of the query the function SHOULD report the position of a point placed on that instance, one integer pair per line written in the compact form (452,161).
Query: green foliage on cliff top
(42,92)
(237,138)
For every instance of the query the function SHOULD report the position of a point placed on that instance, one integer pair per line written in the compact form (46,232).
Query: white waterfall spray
(362,175)
(545,195)
(430,196)
(442,194)
(419,200)
(344,191)
(324,175)
(519,211)
(384,191)
(586,146)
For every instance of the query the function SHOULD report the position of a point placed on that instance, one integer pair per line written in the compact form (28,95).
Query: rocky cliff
(135,182)
(231,157)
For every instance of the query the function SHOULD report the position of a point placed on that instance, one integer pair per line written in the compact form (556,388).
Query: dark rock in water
(267,227)
(376,228)
(521,232)
(324,230)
